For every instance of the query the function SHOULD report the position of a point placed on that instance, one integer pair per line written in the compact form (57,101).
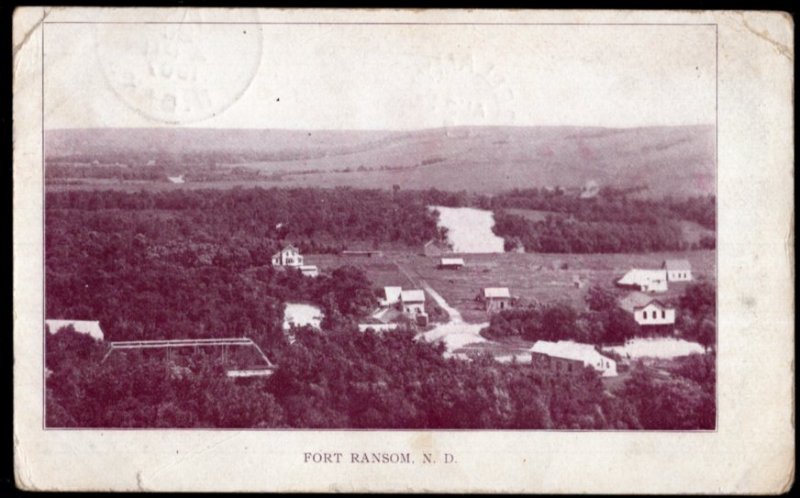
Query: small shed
(309,270)
(496,299)
(451,263)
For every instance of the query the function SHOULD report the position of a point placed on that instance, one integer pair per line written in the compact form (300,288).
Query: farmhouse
(678,270)
(496,298)
(309,270)
(645,280)
(412,302)
(288,256)
(87,327)
(451,263)
(646,310)
(567,357)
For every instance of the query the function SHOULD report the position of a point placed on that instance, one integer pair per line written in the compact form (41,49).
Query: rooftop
(568,350)
(496,292)
(677,264)
(412,296)
(638,300)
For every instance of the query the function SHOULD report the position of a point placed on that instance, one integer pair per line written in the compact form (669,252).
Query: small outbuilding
(451,263)
(309,270)
(496,299)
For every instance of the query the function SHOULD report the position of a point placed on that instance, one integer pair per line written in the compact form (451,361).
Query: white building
(451,263)
(288,256)
(645,280)
(646,310)
(412,302)
(309,270)
(391,296)
(87,327)
(567,357)
(176,179)
(678,270)
(496,298)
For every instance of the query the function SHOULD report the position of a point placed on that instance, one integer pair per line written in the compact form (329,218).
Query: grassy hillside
(668,160)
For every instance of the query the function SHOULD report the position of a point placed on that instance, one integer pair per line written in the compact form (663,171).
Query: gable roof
(496,292)
(638,300)
(412,296)
(677,264)
(638,276)
(88,327)
(392,294)
(287,248)
(569,350)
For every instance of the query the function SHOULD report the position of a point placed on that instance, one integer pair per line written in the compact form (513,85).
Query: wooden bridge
(169,344)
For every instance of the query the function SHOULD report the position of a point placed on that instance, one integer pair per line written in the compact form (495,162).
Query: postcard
(395,250)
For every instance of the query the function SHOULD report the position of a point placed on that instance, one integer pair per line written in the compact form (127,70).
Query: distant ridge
(669,160)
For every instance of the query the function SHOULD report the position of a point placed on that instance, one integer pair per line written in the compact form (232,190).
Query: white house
(288,256)
(391,296)
(496,298)
(309,270)
(678,270)
(567,357)
(87,327)
(646,310)
(645,280)
(176,179)
(451,263)
(412,302)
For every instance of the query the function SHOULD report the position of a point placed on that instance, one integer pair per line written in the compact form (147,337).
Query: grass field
(541,277)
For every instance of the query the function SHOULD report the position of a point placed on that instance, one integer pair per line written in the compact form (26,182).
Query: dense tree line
(566,235)
(685,401)
(698,317)
(610,205)
(346,379)
(333,216)
(604,322)
(337,379)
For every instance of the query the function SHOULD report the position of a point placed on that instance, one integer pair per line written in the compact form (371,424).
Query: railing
(187,343)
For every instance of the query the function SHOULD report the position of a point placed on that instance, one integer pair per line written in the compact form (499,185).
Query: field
(539,277)
(477,159)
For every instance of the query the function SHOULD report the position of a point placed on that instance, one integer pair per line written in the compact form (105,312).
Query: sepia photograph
(393,250)
(538,253)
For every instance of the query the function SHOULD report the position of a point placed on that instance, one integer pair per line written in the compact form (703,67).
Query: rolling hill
(667,160)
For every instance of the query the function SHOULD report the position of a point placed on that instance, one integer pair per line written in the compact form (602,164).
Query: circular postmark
(178,73)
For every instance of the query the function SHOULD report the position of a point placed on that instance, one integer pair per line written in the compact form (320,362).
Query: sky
(377,76)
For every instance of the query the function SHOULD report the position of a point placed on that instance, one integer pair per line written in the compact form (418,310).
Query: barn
(568,358)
